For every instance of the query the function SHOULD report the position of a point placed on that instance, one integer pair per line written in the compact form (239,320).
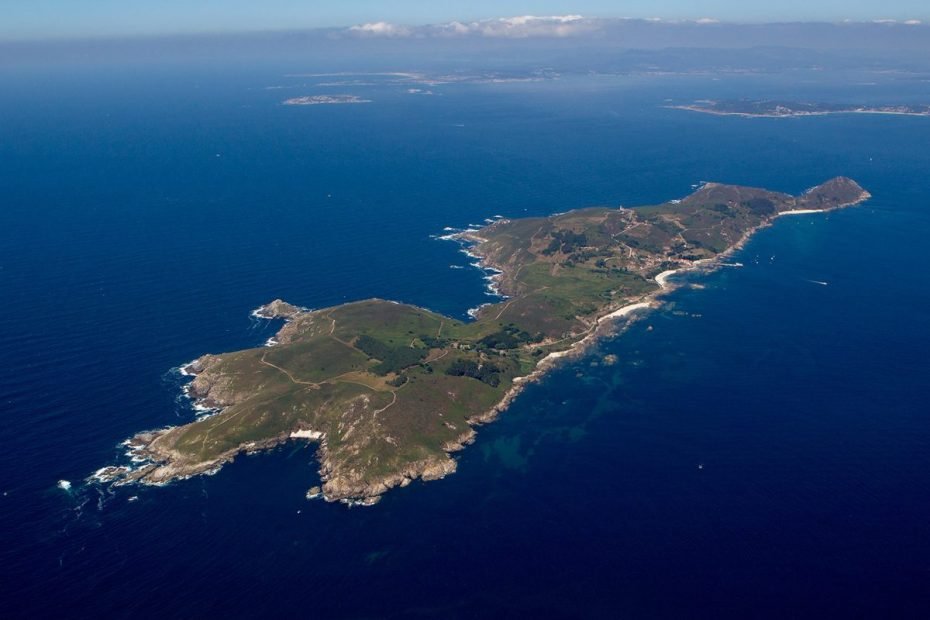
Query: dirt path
(506,305)
(388,406)
(315,386)
(437,358)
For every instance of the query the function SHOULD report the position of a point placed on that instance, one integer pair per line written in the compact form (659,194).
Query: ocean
(759,447)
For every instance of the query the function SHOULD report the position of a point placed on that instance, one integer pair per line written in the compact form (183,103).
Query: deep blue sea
(761,448)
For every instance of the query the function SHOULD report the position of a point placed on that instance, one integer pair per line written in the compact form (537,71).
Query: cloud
(552,26)
(519,27)
(895,22)
(380,29)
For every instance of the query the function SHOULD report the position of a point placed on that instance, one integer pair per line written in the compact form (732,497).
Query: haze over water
(759,448)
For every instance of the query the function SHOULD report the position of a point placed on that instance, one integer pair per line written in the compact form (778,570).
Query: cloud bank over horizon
(569,35)
(548,26)
(517,27)
(504,27)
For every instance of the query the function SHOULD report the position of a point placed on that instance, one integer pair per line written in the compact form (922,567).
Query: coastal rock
(277,309)
(358,486)
(211,387)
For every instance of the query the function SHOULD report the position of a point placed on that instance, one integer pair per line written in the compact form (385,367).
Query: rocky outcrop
(358,487)
(210,387)
(277,309)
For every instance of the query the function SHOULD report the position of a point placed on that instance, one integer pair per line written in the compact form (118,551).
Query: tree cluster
(390,358)
(486,373)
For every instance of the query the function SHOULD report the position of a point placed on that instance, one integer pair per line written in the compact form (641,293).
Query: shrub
(391,358)
(486,373)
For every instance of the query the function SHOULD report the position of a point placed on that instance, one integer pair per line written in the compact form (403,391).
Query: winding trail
(315,386)
(388,406)
(437,358)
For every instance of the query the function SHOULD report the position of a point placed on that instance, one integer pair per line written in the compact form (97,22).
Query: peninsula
(389,391)
(783,109)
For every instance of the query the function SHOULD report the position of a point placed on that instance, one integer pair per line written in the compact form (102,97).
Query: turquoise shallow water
(762,450)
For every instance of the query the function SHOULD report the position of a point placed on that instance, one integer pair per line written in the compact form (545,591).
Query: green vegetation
(510,337)
(565,241)
(760,206)
(486,372)
(392,358)
(433,342)
(398,381)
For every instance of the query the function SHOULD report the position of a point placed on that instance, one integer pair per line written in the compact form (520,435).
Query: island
(390,391)
(325,100)
(784,109)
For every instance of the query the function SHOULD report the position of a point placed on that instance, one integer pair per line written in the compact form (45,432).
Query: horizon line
(354,29)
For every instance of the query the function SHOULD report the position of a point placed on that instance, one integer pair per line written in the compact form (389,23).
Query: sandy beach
(625,310)
(800,212)
(662,278)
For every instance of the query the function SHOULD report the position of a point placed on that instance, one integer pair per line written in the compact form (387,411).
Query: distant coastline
(781,109)
(325,100)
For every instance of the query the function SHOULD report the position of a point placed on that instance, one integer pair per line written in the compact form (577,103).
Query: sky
(40,19)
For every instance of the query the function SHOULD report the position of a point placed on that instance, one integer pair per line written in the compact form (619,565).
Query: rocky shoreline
(578,348)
